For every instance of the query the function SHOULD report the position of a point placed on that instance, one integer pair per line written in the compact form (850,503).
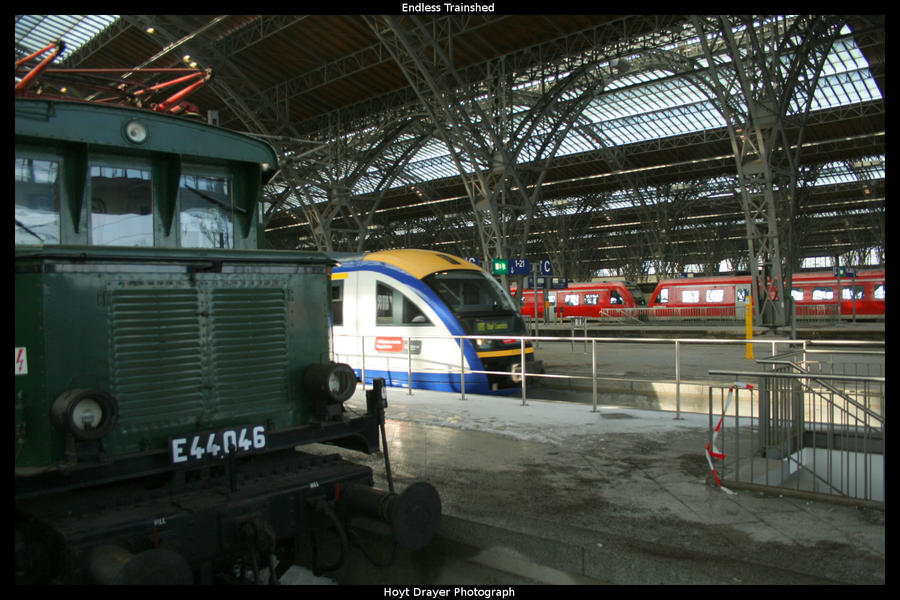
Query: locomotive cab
(169,372)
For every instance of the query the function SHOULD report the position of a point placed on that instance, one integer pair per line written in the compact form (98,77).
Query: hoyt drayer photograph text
(405,592)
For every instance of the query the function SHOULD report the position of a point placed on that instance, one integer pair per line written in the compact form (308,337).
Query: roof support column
(764,73)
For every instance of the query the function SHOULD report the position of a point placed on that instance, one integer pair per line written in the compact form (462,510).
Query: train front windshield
(478,302)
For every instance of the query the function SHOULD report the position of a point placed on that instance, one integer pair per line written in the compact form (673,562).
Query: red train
(614,299)
(814,294)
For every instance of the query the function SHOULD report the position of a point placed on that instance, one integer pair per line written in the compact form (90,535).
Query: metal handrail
(676,342)
(821,380)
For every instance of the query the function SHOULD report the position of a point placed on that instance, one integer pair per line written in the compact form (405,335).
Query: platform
(559,493)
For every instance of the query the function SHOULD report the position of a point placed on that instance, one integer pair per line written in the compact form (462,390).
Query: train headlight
(86,414)
(136,132)
(329,385)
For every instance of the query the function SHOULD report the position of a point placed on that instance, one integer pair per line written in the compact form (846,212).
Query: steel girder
(765,74)
(488,137)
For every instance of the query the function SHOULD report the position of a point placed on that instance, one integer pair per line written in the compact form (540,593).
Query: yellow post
(748,318)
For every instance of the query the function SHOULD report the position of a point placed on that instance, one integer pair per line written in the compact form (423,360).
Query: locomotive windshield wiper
(22,225)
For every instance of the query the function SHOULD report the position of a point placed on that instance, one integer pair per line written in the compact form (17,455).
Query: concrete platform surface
(619,496)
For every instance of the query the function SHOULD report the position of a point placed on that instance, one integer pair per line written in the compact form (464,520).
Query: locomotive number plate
(217,444)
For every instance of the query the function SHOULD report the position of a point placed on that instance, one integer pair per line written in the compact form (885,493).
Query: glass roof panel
(639,106)
(34,32)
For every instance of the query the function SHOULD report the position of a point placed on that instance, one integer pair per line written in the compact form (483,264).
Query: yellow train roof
(420,263)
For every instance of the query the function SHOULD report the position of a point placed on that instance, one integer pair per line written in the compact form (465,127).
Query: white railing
(456,365)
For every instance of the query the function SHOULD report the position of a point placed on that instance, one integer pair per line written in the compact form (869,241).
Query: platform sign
(500,266)
(541,282)
(519,266)
(546,267)
(844,272)
(474,260)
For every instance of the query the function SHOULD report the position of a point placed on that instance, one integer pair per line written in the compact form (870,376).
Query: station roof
(330,89)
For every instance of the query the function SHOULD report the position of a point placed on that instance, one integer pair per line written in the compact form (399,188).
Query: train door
(346,347)
(401,329)
(742,295)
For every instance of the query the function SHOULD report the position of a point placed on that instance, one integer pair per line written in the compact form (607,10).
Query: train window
(37,201)
(823,293)
(663,296)
(715,295)
(412,314)
(467,292)
(393,308)
(879,291)
(337,302)
(206,212)
(592,299)
(852,292)
(615,298)
(121,206)
(797,294)
(690,296)
(571,299)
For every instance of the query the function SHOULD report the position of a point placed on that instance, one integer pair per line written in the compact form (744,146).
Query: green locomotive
(169,369)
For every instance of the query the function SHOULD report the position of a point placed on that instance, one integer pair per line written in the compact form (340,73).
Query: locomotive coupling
(413,514)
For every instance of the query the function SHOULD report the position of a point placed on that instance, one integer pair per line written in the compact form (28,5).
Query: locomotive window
(393,308)
(879,292)
(615,298)
(337,302)
(855,294)
(663,295)
(690,296)
(823,293)
(715,295)
(121,206)
(37,201)
(471,292)
(797,294)
(592,299)
(206,213)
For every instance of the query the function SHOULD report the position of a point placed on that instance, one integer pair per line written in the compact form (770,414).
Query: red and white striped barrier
(711,450)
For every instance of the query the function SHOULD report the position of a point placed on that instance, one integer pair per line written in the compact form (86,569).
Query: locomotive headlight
(86,414)
(136,132)
(332,382)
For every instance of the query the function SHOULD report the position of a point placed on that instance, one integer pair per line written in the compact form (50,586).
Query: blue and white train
(395,312)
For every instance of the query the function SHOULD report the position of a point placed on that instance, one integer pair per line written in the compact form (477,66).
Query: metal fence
(811,421)
(811,425)
(693,315)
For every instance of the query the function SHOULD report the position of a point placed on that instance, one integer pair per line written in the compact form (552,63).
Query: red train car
(815,295)
(594,299)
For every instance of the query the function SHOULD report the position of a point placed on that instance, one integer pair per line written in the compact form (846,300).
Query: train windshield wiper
(27,230)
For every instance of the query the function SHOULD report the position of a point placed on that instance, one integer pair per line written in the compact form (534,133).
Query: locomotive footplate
(201,520)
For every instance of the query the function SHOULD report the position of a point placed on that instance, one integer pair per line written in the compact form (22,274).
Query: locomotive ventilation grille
(193,356)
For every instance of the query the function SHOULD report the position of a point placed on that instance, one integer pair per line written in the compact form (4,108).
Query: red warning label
(389,344)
